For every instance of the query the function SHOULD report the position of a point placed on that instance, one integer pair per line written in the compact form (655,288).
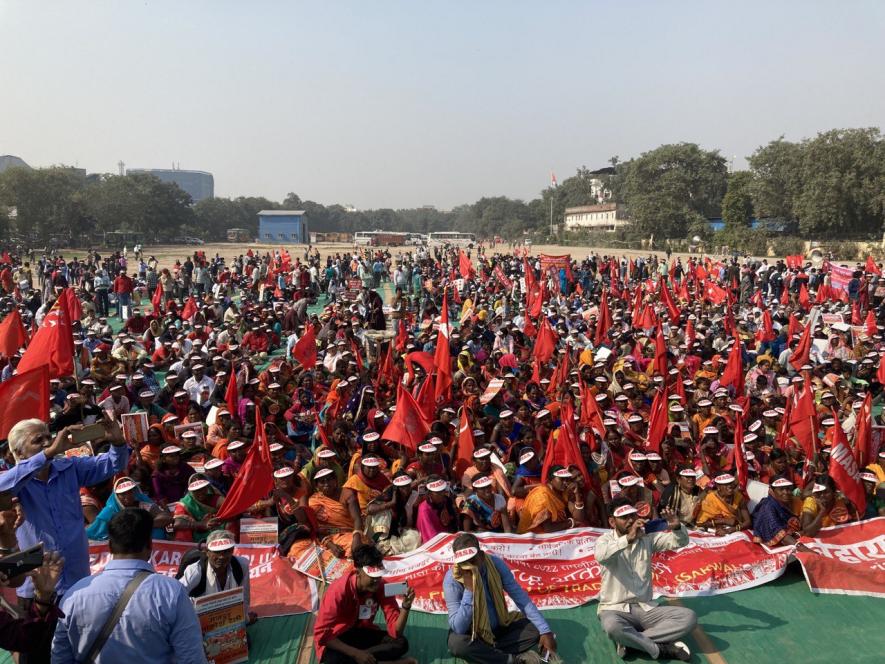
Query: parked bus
(239,235)
(379,238)
(451,238)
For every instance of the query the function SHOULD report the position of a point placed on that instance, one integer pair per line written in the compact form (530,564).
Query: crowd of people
(489,393)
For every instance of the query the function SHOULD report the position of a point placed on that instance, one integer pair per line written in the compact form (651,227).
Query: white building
(604,217)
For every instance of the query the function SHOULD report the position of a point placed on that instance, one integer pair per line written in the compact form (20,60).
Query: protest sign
(135,427)
(223,622)
(259,531)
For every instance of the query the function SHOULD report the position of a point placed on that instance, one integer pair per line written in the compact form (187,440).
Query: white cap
(374,572)
(781,482)
(482,482)
(724,478)
(463,555)
(428,448)
(482,453)
(170,449)
(124,485)
(630,480)
(197,484)
(284,472)
(526,456)
(437,486)
(213,463)
(371,461)
(624,510)
(326,453)
(402,480)
(323,472)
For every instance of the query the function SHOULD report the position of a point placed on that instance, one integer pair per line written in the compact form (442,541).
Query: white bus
(363,238)
(451,238)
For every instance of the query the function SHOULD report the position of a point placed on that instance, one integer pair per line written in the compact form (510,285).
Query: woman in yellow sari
(823,508)
(336,516)
(724,510)
(553,506)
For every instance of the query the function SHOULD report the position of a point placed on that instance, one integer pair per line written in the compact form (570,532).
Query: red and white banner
(846,560)
(840,276)
(275,588)
(505,281)
(559,570)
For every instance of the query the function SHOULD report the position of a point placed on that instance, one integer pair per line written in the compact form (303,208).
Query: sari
(429,522)
(772,521)
(838,513)
(714,507)
(366,489)
(541,504)
(98,529)
(332,514)
(189,507)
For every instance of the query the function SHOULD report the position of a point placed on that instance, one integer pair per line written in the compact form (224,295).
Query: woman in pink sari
(436,514)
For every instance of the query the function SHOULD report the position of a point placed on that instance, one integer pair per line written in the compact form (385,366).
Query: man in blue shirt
(47,485)
(482,631)
(158,624)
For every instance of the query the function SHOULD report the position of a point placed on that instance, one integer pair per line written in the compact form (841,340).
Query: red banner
(846,560)
(559,570)
(499,273)
(275,588)
(839,276)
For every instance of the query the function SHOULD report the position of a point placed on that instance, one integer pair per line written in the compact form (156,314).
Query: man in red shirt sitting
(255,341)
(345,631)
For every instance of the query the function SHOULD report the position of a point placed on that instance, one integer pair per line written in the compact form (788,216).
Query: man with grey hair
(47,484)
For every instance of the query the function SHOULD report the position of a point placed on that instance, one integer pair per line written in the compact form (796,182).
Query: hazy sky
(397,104)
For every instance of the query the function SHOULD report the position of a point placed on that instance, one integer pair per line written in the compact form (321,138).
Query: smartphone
(394,589)
(89,432)
(22,562)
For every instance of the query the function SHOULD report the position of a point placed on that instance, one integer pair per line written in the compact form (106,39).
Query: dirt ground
(167,254)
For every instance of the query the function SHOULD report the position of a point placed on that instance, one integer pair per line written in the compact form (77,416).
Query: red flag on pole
(189,309)
(657,421)
(52,344)
(255,479)
(870,324)
(157,299)
(12,334)
(562,445)
(672,309)
(863,436)
(407,426)
(843,468)
(740,459)
(803,349)
(305,349)
(28,391)
(872,268)
(74,308)
(465,267)
(733,374)
(661,353)
(231,395)
(466,443)
(603,321)
(802,424)
(442,356)
(545,342)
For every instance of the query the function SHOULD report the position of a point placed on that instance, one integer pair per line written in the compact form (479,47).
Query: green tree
(737,205)
(45,200)
(667,189)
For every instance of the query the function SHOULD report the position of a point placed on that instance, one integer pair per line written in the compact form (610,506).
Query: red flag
(231,395)
(880,372)
(442,356)
(870,324)
(715,294)
(603,321)
(766,332)
(843,468)
(545,342)
(29,392)
(785,296)
(794,327)
(872,268)
(734,369)
(863,436)
(407,426)
(657,421)
(424,397)
(305,349)
(661,353)
(255,479)
(75,309)
(402,335)
(803,349)
(740,460)
(321,430)
(562,447)
(804,300)
(802,422)
(12,334)
(466,443)
(529,329)
(52,345)
(689,334)
(667,299)
(465,267)
(590,413)
(189,309)
(157,299)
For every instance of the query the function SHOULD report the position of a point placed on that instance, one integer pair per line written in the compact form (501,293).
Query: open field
(167,254)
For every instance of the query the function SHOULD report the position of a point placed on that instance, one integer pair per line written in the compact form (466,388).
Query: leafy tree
(45,201)
(666,189)
(737,205)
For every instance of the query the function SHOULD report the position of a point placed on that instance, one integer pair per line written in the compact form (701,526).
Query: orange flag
(466,443)
(305,349)
(407,426)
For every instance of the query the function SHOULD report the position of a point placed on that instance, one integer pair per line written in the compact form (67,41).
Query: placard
(196,427)
(83,450)
(259,531)
(222,619)
(135,427)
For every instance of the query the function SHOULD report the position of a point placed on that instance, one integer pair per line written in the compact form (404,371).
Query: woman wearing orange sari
(552,507)
(336,515)
(724,510)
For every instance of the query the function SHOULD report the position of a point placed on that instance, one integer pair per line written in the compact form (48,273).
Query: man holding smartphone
(626,609)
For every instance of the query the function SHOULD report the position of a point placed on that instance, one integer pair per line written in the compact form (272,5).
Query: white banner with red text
(275,587)
(846,560)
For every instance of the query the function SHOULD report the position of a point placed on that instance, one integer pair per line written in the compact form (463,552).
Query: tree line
(825,187)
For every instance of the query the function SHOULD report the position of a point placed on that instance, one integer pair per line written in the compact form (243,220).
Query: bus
(239,235)
(451,238)
(379,238)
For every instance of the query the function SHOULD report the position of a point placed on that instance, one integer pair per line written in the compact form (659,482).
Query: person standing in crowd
(345,633)
(626,609)
(481,629)
(157,622)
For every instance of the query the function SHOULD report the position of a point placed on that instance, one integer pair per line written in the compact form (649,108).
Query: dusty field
(167,254)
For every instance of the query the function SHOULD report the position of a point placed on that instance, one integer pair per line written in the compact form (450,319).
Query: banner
(557,262)
(276,589)
(846,560)
(499,273)
(840,276)
(559,570)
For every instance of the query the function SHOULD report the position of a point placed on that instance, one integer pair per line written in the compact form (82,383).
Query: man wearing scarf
(482,630)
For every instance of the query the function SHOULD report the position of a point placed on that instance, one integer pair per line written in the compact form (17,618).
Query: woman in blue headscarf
(127,493)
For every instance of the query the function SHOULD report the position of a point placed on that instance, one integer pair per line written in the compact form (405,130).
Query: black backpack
(195,555)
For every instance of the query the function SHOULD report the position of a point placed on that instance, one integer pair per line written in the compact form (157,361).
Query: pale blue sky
(402,103)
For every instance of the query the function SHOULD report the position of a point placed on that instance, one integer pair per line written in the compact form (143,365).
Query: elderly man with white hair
(47,485)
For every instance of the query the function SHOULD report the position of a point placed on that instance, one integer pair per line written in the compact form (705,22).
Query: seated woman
(391,517)
(553,506)
(194,513)
(775,519)
(527,476)
(482,465)
(823,508)
(639,495)
(290,503)
(485,510)
(723,510)
(337,519)
(437,513)
(324,457)
(127,493)
(367,483)
(170,477)
(370,445)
